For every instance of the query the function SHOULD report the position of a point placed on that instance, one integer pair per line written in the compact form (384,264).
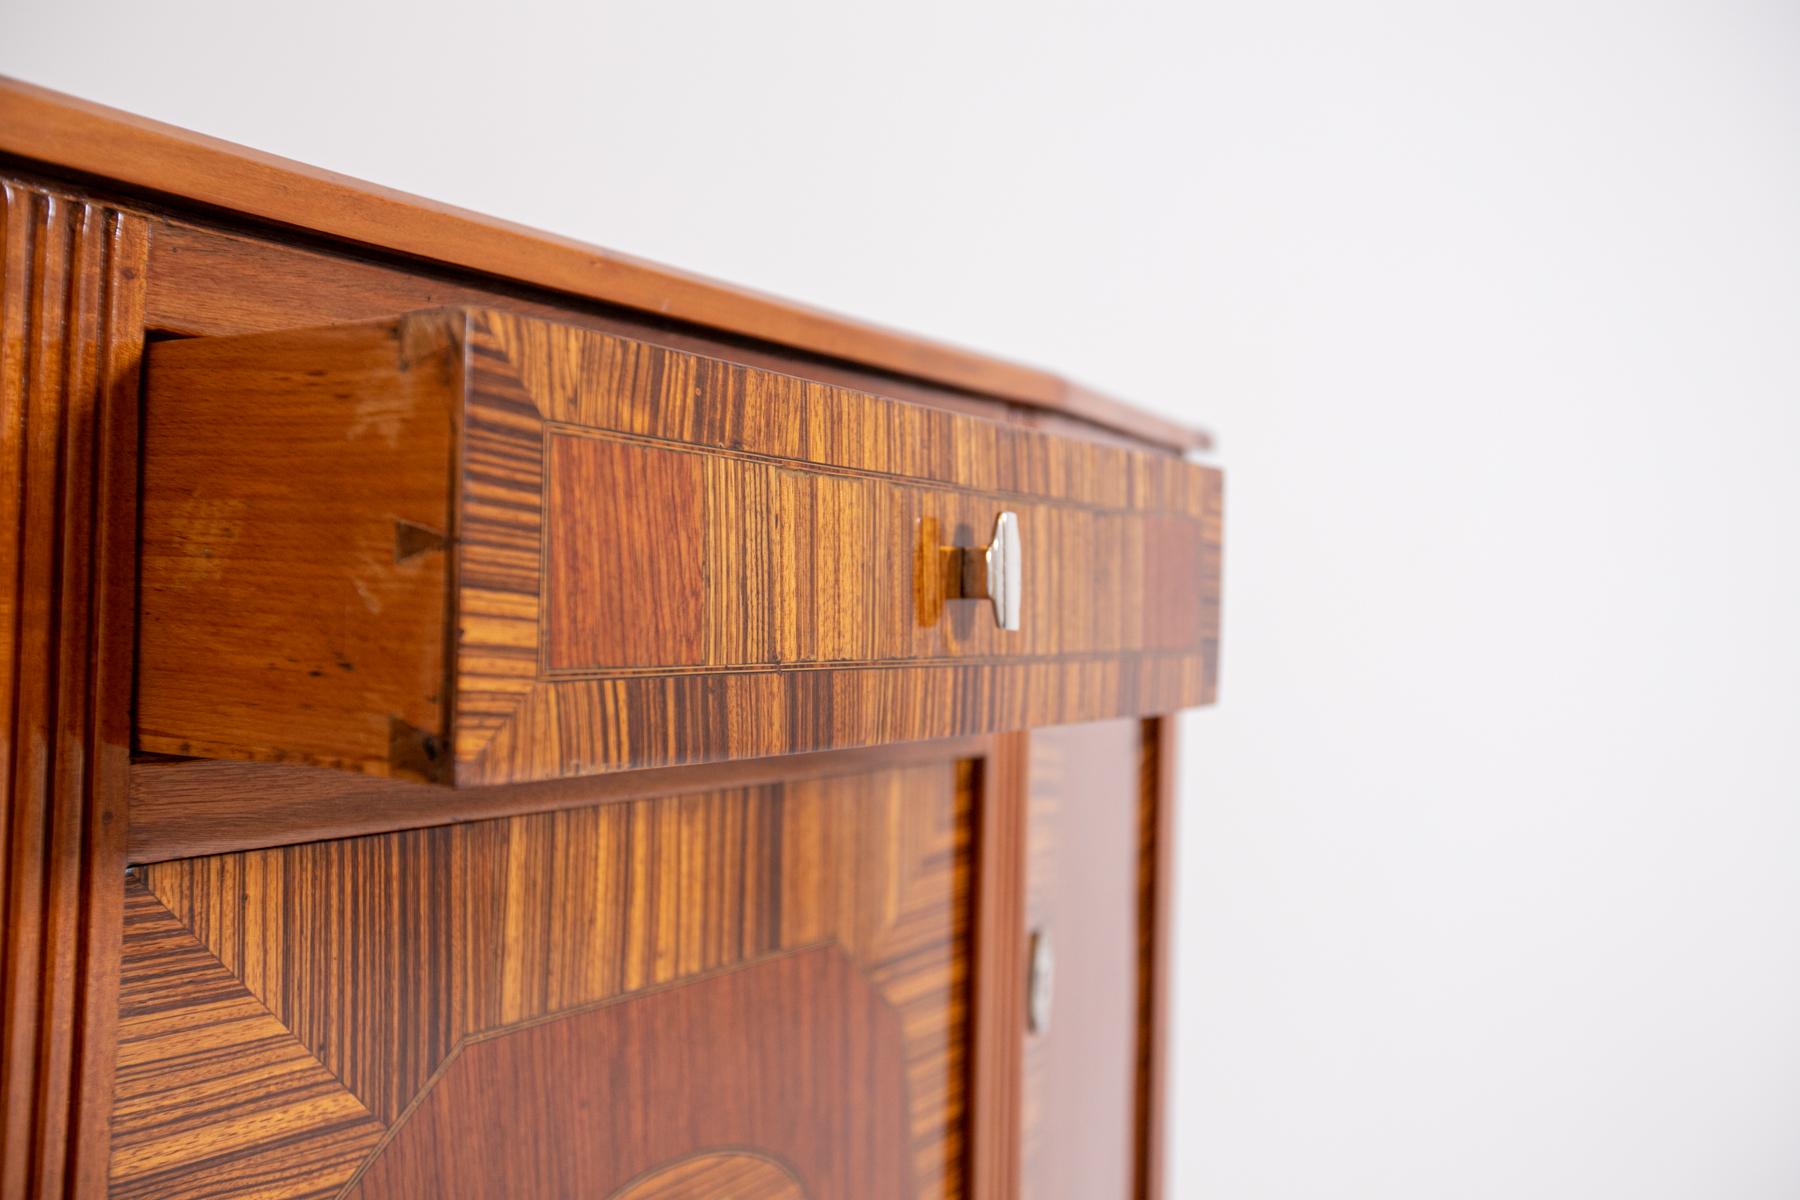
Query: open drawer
(476,548)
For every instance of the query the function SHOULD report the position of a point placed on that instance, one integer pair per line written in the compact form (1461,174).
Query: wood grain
(160,159)
(184,808)
(1081,1073)
(382,955)
(832,556)
(1155,950)
(211,281)
(997,1022)
(660,559)
(279,1012)
(796,1056)
(736,1175)
(216,1098)
(71,296)
(627,523)
(333,632)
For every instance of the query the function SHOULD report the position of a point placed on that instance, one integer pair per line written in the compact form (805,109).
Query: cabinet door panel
(1082,871)
(758,988)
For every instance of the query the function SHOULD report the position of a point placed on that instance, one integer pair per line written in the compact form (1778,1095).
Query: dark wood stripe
(1156,909)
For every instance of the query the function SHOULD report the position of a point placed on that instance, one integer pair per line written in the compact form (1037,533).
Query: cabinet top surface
(68,134)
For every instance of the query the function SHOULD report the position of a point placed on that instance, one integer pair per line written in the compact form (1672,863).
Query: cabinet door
(1085,910)
(753,992)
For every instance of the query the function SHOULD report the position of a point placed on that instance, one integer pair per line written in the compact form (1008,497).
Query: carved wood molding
(71,336)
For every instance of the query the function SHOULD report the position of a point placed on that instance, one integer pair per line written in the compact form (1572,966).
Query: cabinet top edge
(44,126)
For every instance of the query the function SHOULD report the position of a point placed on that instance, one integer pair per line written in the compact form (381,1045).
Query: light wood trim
(76,135)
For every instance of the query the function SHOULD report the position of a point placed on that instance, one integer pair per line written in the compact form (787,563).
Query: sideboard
(491,717)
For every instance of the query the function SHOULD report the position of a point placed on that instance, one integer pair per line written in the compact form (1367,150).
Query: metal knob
(993,572)
(1040,982)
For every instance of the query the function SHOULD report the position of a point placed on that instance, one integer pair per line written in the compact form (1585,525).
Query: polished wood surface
(1080,1090)
(182,808)
(1156,946)
(736,562)
(722,1173)
(71,334)
(796,1056)
(44,126)
(997,1022)
(659,559)
(302,600)
(320,982)
(386,957)
(216,1098)
(209,281)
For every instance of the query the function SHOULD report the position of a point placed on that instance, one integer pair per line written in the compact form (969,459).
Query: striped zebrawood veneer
(487,716)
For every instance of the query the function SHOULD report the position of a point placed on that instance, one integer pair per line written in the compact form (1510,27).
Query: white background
(1491,851)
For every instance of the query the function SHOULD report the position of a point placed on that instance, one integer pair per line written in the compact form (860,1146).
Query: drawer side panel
(296,524)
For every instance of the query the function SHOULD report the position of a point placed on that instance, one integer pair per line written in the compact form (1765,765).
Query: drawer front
(557,552)
(750,564)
